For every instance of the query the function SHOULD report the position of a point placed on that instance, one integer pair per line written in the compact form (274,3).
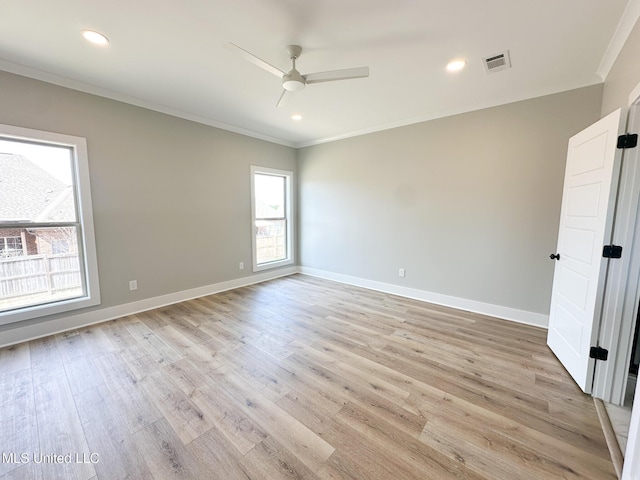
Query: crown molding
(623,30)
(65,82)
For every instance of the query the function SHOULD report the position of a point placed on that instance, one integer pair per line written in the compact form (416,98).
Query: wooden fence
(32,274)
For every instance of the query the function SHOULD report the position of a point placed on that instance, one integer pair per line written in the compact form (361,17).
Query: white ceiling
(170,56)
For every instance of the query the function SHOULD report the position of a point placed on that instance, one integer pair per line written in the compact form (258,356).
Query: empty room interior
(319,240)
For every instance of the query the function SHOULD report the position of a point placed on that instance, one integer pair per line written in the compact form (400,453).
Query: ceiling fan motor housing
(293,81)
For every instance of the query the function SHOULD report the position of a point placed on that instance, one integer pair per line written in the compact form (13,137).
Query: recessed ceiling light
(95,37)
(456,65)
(297,117)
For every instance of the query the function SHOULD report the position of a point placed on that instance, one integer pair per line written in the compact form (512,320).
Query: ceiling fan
(293,80)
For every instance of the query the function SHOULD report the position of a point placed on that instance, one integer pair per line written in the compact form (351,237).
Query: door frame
(622,291)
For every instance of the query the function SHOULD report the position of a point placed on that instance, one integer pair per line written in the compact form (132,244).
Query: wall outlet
(401,272)
(241,265)
(133,284)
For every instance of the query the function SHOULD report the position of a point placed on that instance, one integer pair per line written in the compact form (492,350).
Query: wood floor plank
(97,340)
(72,344)
(201,356)
(46,361)
(188,326)
(27,471)
(81,374)
(152,344)
(405,450)
(136,409)
(360,459)
(18,422)
(163,452)
(310,410)
(511,444)
(272,461)
(60,432)
(240,430)
(14,358)
(117,456)
(119,336)
(184,416)
(138,363)
(299,378)
(310,448)
(259,369)
(218,459)
(379,386)
(510,403)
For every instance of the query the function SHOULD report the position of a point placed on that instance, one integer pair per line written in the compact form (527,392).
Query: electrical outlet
(401,272)
(241,265)
(133,284)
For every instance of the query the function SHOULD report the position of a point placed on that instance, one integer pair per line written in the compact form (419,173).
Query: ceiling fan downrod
(293,81)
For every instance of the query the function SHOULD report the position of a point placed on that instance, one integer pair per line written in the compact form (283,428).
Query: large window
(271,218)
(47,248)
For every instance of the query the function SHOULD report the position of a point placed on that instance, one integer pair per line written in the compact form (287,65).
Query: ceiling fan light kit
(293,80)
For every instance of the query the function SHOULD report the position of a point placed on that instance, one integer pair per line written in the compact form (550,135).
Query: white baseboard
(50,327)
(506,313)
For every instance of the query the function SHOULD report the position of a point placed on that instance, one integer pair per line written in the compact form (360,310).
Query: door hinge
(599,353)
(628,140)
(612,251)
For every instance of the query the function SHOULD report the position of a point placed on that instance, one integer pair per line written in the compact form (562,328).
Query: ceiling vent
(497,62)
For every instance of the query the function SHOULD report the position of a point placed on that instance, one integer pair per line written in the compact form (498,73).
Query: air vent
(497,62)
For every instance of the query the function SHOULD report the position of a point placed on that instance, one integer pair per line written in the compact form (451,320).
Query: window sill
(37,311)
(270,265)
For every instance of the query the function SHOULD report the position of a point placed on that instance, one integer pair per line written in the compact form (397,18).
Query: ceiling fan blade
(345,74)
(255,60)
(284,98)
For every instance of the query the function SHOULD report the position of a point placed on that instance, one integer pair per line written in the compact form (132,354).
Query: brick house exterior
(37,197)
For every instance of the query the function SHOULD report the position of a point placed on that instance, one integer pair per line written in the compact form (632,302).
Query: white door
(586,219)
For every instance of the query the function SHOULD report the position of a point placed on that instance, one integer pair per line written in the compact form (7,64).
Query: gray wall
(624,75)
(171,198)
(469,205)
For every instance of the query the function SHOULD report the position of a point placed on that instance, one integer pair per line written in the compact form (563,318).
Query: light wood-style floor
(296,378)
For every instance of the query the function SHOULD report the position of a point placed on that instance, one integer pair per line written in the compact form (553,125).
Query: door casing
(620,299)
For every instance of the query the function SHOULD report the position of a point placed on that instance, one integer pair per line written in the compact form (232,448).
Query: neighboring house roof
(30,194)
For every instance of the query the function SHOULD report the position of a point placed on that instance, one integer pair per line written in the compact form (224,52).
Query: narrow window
(47,250)
(271,218)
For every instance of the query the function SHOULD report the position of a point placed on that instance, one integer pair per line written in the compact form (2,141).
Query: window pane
(39,275)
(14,244)
(270,196)
(271,226)
(10,247)
(271,240)
(36,183)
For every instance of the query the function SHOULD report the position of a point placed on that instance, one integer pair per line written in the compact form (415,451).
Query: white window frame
(86,241)
(4,244)
(289,259)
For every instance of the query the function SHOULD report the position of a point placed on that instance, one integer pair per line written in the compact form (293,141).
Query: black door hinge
(599,353)
(629,140)
(612,251)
